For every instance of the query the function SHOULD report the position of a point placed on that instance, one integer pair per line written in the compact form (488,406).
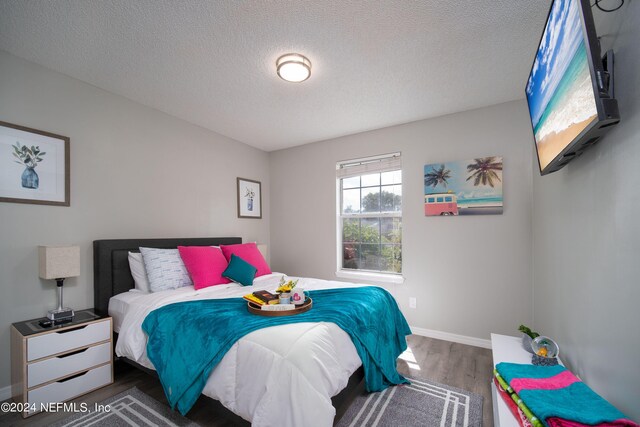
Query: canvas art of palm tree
(471,187)
(436,176)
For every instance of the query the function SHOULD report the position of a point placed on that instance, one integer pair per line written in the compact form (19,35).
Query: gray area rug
(422,403)
(129,408)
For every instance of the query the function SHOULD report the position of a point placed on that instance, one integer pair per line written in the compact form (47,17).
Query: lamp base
(60,314)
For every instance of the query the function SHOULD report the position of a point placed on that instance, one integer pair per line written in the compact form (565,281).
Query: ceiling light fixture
(293,67)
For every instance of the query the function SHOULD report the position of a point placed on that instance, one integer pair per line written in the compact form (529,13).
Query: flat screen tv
(570,87)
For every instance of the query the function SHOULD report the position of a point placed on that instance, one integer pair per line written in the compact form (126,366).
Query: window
(370,215)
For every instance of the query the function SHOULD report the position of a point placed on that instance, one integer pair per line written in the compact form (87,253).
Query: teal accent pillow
(240,271)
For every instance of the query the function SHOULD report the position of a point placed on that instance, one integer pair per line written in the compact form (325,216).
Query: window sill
(362,276)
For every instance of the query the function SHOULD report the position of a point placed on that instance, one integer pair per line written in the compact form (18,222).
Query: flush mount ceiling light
(293,67)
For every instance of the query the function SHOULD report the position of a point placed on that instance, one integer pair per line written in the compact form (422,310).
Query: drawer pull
(77,328)
(73,376)
(73,353)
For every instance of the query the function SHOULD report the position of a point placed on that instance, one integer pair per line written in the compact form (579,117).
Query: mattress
(303,364)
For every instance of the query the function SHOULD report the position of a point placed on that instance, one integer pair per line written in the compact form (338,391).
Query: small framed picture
(34,166)
(249,198)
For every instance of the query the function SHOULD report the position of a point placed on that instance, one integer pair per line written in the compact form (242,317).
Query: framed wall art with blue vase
(34,166)
(249,198)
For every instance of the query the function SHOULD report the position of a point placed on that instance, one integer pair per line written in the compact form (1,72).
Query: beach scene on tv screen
(559,89)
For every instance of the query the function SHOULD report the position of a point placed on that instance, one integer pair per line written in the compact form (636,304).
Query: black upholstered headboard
(111,273)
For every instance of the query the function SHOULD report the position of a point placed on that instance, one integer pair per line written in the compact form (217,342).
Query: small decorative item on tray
(545,351)
(285,298)
(286,286)
(298,296)
(279,309)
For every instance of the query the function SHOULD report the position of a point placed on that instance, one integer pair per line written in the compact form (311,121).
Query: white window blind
(384,163)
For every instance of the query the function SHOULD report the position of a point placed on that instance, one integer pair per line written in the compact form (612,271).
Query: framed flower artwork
(249,198)
(34,166)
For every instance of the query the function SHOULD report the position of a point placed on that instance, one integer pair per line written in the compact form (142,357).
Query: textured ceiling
(212,63)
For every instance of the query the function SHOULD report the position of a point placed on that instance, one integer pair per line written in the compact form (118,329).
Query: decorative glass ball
(545,347)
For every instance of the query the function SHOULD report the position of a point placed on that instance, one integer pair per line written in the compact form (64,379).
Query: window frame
(366,274)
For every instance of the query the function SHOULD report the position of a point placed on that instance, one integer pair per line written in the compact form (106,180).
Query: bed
(312,369)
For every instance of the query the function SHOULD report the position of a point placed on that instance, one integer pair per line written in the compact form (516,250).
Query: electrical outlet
(412,302)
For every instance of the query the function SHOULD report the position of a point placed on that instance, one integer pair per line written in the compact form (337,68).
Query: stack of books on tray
(253,299)
(267,301)
(262,298)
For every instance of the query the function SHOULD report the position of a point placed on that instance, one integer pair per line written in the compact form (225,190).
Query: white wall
(587,239)
(135,172)
(471,275)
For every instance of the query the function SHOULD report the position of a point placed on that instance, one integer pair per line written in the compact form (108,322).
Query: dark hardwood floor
(457,365)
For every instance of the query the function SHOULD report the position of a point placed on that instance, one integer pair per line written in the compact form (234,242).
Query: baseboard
(5,393)
(462,339)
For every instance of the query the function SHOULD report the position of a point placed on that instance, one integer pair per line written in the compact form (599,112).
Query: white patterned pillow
(165,269)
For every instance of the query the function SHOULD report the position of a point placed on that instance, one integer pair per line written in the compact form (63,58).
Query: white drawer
(70,388)
(58,342)
(59,366)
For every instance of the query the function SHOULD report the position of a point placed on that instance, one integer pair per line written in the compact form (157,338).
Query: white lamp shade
(59,262)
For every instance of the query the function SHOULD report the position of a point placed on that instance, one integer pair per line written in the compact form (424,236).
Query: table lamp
(59,263)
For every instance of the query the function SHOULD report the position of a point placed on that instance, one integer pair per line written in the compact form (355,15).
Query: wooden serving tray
(255,309)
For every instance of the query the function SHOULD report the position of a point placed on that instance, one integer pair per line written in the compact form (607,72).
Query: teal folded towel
(511,371)
(576,402)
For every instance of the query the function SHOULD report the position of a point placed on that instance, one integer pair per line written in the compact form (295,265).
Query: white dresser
(59,363)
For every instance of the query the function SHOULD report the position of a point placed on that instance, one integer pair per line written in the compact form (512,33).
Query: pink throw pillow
(205,265)
(248,252)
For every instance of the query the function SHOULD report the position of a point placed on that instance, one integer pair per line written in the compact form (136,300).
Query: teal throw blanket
(187,340)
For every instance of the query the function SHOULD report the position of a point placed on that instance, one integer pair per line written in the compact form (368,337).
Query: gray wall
(135,172)
(587,239)
(456,267)
(138,172)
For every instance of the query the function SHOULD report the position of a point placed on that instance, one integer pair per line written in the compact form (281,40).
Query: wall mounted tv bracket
(605,77)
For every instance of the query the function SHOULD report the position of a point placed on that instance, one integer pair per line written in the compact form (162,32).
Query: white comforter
(279,376)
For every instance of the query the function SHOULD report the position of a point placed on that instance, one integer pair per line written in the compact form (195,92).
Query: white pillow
(165,269)
(138,272)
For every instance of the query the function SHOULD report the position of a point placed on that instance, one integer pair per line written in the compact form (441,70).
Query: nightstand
(61,362)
